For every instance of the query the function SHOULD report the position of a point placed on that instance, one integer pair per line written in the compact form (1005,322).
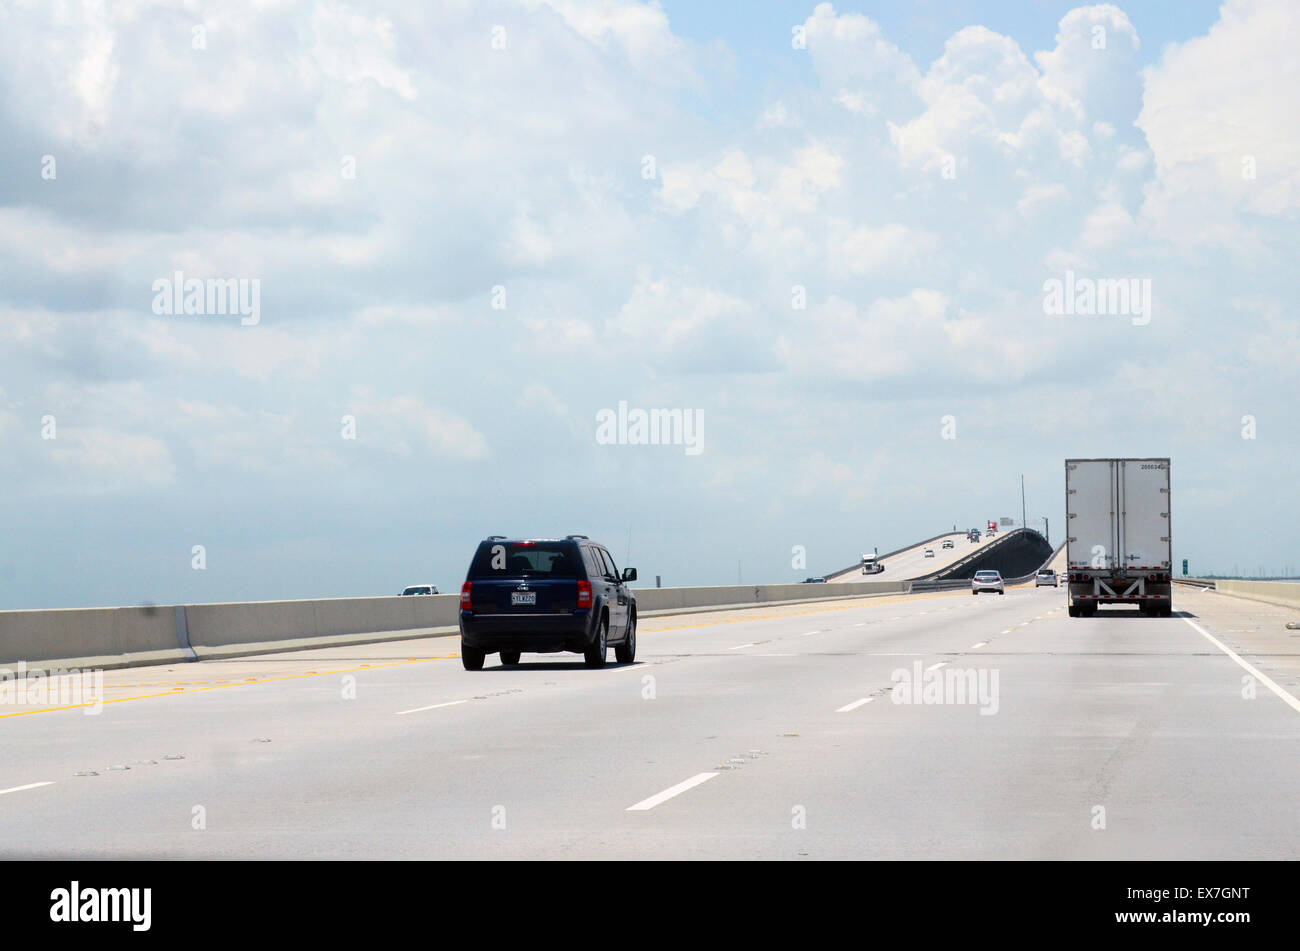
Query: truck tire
(595,654)
(625,653)
(1074,611)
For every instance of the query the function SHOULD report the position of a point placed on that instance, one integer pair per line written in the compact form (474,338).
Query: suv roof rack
(572,537)
(493,538)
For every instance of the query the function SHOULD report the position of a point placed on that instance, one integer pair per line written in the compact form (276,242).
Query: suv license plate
(523,597)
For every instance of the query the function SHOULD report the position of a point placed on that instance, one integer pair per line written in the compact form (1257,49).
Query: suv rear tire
(625,653)
(510,658)
(472,657)
(595,654)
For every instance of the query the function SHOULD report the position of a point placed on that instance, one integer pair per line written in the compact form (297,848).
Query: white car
(929,553)
(987,581)
(947,543)
(419,589)
(1046,576)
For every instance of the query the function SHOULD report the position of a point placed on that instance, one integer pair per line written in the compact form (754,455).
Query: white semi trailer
(1118,547)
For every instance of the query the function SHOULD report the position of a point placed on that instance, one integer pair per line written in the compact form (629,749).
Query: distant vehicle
(990,533)
(1118,544)
(871,565)
(420,589)
(1046,576)
(947,543)
(544,595)
(814,580)
(987,581)
(973,535)
(929,553)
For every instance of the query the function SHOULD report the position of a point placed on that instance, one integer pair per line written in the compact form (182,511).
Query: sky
(834,239)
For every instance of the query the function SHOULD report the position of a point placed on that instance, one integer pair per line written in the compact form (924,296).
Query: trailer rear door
(1091,505)
(1144,513)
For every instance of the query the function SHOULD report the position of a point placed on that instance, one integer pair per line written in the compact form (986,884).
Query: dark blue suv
(543,595)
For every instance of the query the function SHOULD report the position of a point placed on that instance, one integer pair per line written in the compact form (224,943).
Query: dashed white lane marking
(854,705)
(978,646)
(449,703)
(1007,631)
(670,792)
(1286,697)
(28,786)
(861,624)
(1024,623)
(942,663)
(742,646)
(809,633)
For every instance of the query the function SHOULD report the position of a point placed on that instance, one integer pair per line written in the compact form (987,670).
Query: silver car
(987,581)
(419,589)
(1045,576)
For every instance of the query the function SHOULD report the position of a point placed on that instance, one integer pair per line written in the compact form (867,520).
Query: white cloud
(404,424)
(1212,105)
(895,247)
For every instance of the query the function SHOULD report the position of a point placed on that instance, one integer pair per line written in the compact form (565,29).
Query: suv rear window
(525,559)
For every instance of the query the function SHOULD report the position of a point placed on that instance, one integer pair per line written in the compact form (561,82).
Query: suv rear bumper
(539,633)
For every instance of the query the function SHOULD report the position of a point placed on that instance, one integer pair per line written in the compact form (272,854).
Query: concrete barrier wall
(1285,593)
(90,635)
(661,599)
(255,622)
(120,637)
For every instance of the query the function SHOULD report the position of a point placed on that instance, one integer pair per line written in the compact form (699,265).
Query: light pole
(1023,522)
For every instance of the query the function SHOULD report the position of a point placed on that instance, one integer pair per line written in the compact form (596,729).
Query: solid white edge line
(670,792)
(1286,697)
(449,703)
(854,705)
(28,786)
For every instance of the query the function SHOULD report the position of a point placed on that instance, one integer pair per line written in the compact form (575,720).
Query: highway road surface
(758,733)
(912,563)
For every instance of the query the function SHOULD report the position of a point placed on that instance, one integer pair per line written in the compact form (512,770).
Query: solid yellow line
(241,683)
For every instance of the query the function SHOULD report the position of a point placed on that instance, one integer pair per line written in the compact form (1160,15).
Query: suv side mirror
(629,574)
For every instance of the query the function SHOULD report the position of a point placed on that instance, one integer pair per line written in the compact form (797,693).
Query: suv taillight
(466,602)
(584,594)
